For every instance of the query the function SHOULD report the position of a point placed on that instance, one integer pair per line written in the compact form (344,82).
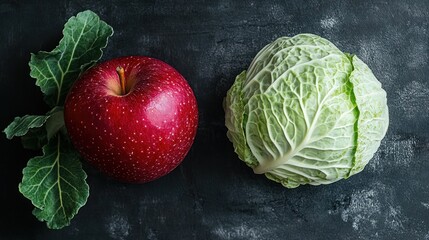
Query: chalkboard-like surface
(212,195)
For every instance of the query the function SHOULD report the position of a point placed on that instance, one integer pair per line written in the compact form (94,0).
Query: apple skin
(137,137)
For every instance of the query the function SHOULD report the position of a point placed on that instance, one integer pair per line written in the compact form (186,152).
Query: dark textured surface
(212,195)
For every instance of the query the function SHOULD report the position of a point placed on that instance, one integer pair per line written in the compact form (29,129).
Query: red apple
(134,118)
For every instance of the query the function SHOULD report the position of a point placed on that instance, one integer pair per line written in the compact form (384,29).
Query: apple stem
(121,73)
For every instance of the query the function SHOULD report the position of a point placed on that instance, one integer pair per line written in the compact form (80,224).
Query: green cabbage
(305,112)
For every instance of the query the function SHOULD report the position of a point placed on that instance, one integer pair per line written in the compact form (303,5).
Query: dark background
(213,195)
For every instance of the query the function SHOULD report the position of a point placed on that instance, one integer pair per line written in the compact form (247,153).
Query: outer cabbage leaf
(281,55)
(374,113)
(234,117)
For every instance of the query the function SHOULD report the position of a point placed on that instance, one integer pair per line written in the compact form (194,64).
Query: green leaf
(30,128)
(34,139)
(55,183)
(81,46)
(20,125)
(55,121)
